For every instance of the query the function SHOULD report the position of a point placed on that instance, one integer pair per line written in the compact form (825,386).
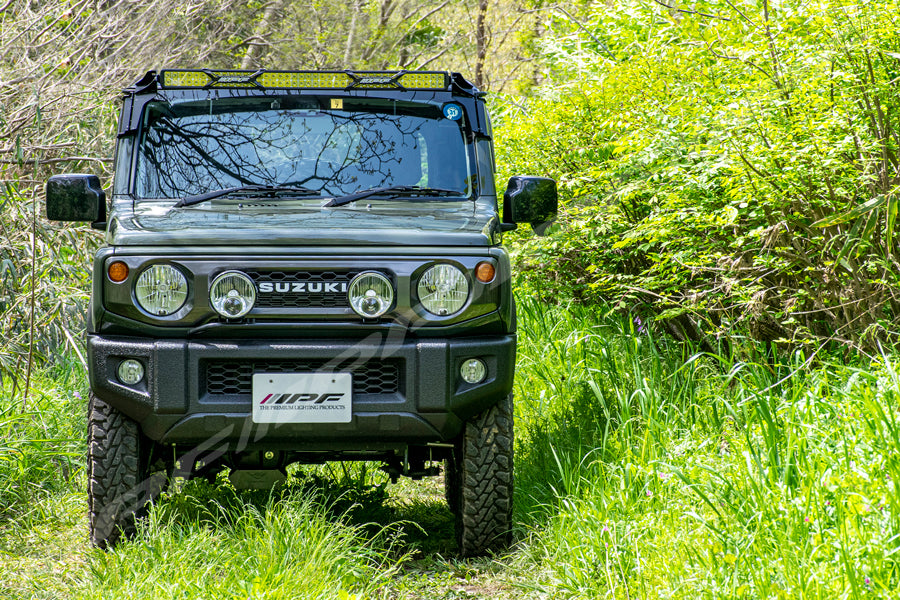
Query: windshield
(333,146)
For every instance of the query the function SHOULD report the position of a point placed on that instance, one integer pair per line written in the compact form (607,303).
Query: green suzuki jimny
(302,267)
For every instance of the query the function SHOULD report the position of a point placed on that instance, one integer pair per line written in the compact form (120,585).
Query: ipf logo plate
(302,397)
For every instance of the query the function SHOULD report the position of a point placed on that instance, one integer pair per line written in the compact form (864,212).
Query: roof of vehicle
(433,86)
(263,79)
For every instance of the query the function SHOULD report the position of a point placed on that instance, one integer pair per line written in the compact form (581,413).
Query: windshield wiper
(394,190)
(263,190)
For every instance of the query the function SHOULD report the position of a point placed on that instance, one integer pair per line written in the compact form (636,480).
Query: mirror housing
(531,200)
(76,197)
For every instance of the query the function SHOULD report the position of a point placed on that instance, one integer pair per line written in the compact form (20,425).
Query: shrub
(728,168)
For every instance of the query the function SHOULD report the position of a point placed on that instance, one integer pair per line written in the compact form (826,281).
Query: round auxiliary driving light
(161,290)
(232,294)
(443,290)
(473,370)
(370,294)
(130,371)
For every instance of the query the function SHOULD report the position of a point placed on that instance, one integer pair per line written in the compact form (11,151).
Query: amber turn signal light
(117,271)
(484,272)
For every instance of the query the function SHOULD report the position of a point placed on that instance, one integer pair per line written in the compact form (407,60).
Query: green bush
(727,168)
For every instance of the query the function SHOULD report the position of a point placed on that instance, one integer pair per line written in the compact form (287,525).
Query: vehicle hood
(258,222)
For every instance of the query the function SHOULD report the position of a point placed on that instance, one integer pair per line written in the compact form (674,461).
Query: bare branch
(740,12)
(569,15)
(412,27)
(32,161)
(691,12)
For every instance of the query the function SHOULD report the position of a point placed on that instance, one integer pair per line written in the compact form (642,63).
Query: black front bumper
(404,392)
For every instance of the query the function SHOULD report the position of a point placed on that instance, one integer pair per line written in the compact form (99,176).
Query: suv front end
(302,267)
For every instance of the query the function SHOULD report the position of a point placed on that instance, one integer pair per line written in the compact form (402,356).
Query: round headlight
(232,294)
(161,290)
(443,290)
(370,294)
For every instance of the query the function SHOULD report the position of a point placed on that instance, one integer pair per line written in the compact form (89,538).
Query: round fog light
(473,370)
(130,371)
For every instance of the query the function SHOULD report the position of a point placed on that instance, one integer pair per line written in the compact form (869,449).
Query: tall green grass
(592,391)
(41,446)
(649,472)
(644,468)
(210,542)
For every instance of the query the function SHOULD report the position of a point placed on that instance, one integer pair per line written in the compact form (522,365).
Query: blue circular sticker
(453,111)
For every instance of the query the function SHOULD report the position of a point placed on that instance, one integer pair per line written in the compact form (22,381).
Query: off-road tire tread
(116,475)
(484,515)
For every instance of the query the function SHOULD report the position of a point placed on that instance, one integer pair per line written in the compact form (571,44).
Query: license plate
(302,397)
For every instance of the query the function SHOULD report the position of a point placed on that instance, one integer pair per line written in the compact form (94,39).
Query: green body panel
(398,222)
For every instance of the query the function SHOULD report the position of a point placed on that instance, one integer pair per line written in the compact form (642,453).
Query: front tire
(480,482)
(118,484)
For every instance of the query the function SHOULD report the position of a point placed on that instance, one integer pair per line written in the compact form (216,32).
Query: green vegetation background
(706,396)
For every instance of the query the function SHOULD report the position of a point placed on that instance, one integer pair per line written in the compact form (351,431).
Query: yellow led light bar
(331,80)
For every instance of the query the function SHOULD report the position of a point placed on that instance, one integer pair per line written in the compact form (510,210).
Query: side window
(485,153)
(124,149)
(446,161)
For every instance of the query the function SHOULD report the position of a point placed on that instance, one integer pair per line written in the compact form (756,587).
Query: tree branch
(691,12)
(603,46)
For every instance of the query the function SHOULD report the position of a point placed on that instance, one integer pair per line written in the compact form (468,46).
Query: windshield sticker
(453,112)
(337,103)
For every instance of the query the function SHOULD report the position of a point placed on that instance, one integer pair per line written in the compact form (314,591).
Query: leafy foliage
(731,168)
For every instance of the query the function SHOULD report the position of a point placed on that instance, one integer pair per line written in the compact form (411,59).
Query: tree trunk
(351,34)
(480,43)
(258,41)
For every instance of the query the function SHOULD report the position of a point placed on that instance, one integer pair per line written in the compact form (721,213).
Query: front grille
(233,377)
(318,289)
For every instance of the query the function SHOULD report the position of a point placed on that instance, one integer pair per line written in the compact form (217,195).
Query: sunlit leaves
(754,155)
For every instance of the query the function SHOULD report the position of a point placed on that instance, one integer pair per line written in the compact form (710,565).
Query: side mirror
(76,197)
(531,200)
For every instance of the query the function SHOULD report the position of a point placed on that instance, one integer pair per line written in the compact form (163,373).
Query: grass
(287,548)
(42,446)
(643,470)
(678,476)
